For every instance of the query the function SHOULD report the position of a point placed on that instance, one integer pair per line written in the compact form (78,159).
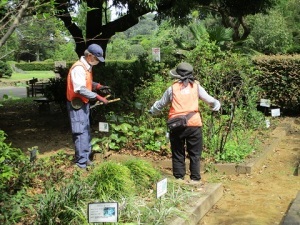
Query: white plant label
(103,212)
(103,127)
(161,187)
(268,123)
(156,54)
(265,102)
(275,112)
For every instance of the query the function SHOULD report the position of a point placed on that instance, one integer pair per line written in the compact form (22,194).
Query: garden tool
(101,103)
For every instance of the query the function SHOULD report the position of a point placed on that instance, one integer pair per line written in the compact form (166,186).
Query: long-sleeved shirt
(167,98)
(78,76)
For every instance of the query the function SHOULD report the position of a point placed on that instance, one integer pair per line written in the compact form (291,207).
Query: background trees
(230,23)
(100,29)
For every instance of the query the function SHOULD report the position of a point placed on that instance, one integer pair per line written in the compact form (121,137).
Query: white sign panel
(103,212)
(268,123)
(156,54)
(103,127)
(275,112)
(265,102)
(161,187)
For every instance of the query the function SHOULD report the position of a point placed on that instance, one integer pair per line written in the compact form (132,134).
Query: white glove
(216,106)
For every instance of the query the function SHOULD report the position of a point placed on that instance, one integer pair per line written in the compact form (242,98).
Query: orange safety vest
(185,101)
(70,89)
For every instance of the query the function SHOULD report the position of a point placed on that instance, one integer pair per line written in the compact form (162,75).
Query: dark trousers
(189,139)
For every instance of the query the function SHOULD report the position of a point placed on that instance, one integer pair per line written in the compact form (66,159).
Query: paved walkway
(13,91)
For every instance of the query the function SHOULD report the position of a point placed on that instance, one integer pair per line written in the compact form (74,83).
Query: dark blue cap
(97,51)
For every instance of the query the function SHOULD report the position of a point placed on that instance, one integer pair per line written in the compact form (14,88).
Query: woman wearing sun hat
(183,97)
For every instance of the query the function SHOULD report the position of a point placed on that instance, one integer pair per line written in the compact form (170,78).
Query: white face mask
(93,61)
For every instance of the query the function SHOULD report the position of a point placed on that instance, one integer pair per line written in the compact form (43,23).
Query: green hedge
(122,76)
(48,65)
(35,66)
(280,80)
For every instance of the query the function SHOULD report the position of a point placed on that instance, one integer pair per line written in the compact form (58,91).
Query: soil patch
(26,127)
(263,197)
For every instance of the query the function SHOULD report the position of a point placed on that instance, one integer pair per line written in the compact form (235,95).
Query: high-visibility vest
(185,101)
(89,83)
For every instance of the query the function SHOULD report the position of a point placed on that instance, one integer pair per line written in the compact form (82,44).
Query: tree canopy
(100,29)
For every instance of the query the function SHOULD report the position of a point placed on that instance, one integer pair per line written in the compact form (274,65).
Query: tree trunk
(96,32)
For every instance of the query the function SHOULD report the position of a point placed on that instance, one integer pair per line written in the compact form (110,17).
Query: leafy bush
(56,90)
(16,207)
(230,78)
(143,173)
(11,162)
(124,78)
(53,206)
(276,40)
(133,132)
(111,180)
(238,147)
(5,70)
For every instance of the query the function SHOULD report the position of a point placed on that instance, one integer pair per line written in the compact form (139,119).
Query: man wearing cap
(80,87)
(183,96)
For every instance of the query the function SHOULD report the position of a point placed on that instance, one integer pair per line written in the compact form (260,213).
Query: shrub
(230,78)
(143,173)
(53,206)
(5,70)
(112,180)
(11,162)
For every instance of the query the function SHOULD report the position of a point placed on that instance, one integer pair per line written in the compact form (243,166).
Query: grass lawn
(18,79)
(27,75)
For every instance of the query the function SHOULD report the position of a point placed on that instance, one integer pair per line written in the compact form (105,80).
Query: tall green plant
(111,180)
(143,173)
(11,162)
(5,70)
(54,206)
(132,131)
(270,33)
(228,77)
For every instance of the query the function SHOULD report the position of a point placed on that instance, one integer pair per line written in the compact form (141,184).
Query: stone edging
(207,198)
(293,216)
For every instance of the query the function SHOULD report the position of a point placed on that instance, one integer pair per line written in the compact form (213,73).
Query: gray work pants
(81,133)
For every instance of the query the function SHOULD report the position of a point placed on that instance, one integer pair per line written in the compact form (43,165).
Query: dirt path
(263,197)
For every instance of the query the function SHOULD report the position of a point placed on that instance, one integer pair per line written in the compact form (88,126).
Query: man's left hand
(104,90)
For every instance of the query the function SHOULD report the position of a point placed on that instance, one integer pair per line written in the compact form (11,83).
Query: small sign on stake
(267,123)
(103,127)
(275,112)
(103,212)
(161,187)
(156,54)
(265,102)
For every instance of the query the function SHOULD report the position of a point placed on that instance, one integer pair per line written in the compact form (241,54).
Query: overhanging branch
(15,23)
